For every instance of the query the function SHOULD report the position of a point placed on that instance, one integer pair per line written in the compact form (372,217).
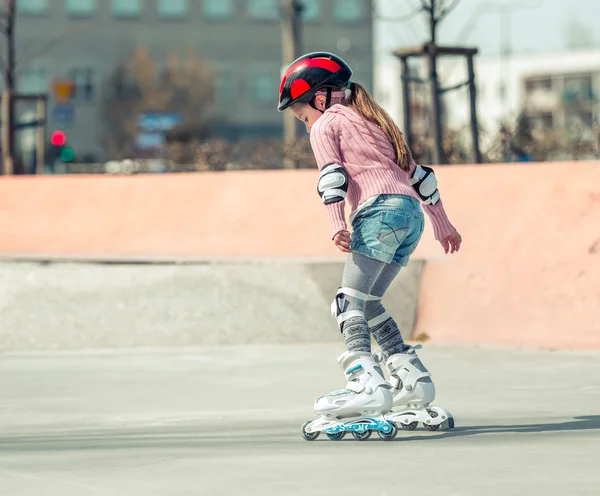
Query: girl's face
(307,114)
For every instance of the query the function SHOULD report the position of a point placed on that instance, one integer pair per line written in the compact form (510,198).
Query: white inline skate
(360,408)
(413,392)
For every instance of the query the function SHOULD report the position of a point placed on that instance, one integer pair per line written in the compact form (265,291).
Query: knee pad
(340,307)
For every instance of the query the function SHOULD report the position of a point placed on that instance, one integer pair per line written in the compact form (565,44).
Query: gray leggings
(371,277)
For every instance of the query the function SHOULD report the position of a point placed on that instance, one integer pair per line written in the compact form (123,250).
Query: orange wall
(529,269)
(205,215)
(528,272)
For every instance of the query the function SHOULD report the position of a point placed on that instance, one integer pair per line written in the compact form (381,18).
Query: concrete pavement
(226,421)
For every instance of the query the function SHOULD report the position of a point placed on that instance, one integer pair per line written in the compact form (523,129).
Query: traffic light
(59,138)
(62,150)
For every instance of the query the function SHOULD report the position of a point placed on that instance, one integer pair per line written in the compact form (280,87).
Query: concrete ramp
(83,306)
(528,273)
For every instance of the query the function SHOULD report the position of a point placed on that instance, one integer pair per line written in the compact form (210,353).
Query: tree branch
(427,7)
(401,18)
(447,10)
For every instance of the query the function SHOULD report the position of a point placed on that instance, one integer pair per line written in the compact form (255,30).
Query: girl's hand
(451,242)
(342,241)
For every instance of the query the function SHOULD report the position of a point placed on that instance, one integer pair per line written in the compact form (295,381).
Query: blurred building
(86,40)
(552,90)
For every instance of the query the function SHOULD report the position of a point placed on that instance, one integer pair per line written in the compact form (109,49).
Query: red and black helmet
(308,74)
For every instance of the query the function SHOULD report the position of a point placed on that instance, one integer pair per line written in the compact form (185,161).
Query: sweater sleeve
(442,226)
(325,143)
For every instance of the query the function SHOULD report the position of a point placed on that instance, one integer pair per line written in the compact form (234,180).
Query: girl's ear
(320,101)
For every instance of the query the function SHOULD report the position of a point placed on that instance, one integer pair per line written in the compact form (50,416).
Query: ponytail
(361,102)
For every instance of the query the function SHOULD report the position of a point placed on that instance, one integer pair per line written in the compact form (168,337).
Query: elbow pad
(333,184)
(425,184)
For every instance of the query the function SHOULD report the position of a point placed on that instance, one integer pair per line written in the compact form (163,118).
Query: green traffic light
(67,155)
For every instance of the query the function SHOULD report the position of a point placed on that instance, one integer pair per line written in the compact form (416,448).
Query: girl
(364,161)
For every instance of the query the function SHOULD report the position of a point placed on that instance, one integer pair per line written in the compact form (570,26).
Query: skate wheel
(309,436)
(337,436)
(432,414)
(389,435)
(411,427)
(362,436)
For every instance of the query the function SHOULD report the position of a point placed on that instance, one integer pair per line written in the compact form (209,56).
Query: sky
(535,25)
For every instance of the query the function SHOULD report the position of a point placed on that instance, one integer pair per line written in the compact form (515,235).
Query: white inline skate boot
(360,408)
(413,392)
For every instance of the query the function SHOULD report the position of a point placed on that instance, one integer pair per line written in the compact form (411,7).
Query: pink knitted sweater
(341,136)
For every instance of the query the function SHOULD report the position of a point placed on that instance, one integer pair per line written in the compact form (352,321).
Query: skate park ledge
(213,258)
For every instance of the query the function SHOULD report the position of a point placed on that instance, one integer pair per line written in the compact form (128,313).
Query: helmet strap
(327,102)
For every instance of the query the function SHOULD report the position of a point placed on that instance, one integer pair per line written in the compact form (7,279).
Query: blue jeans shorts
(389,229)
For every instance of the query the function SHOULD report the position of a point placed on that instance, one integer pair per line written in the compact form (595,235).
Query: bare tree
(183,84)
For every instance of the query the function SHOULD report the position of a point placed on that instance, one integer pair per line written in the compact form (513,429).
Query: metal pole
(7,165)
(291,46)
(438,150)
(405,75)
(473,101)
(8,103)
(40,149)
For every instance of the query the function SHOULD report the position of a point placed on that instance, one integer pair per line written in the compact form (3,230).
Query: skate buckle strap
(357,294)
(355,386)
(375,321)
(356,368)
(347,315)
(395,382)
(377,355)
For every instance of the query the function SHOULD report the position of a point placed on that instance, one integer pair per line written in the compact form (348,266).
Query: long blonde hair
(364,104)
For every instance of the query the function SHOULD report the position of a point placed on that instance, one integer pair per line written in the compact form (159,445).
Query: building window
(127,8)
(538,84)
(349,11)
(264,9)
(81,7)
(311,11)
(32,6)
(265,84)
(217,9)
(83,80)
(173,8)
(577,120)
(578,89)
(126,88)
(33,80)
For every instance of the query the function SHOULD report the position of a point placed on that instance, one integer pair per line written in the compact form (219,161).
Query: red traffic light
(58,138)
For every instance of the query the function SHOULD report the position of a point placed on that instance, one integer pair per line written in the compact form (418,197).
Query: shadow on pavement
(249,435)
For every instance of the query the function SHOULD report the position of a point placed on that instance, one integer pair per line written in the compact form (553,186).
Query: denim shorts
(389,229)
